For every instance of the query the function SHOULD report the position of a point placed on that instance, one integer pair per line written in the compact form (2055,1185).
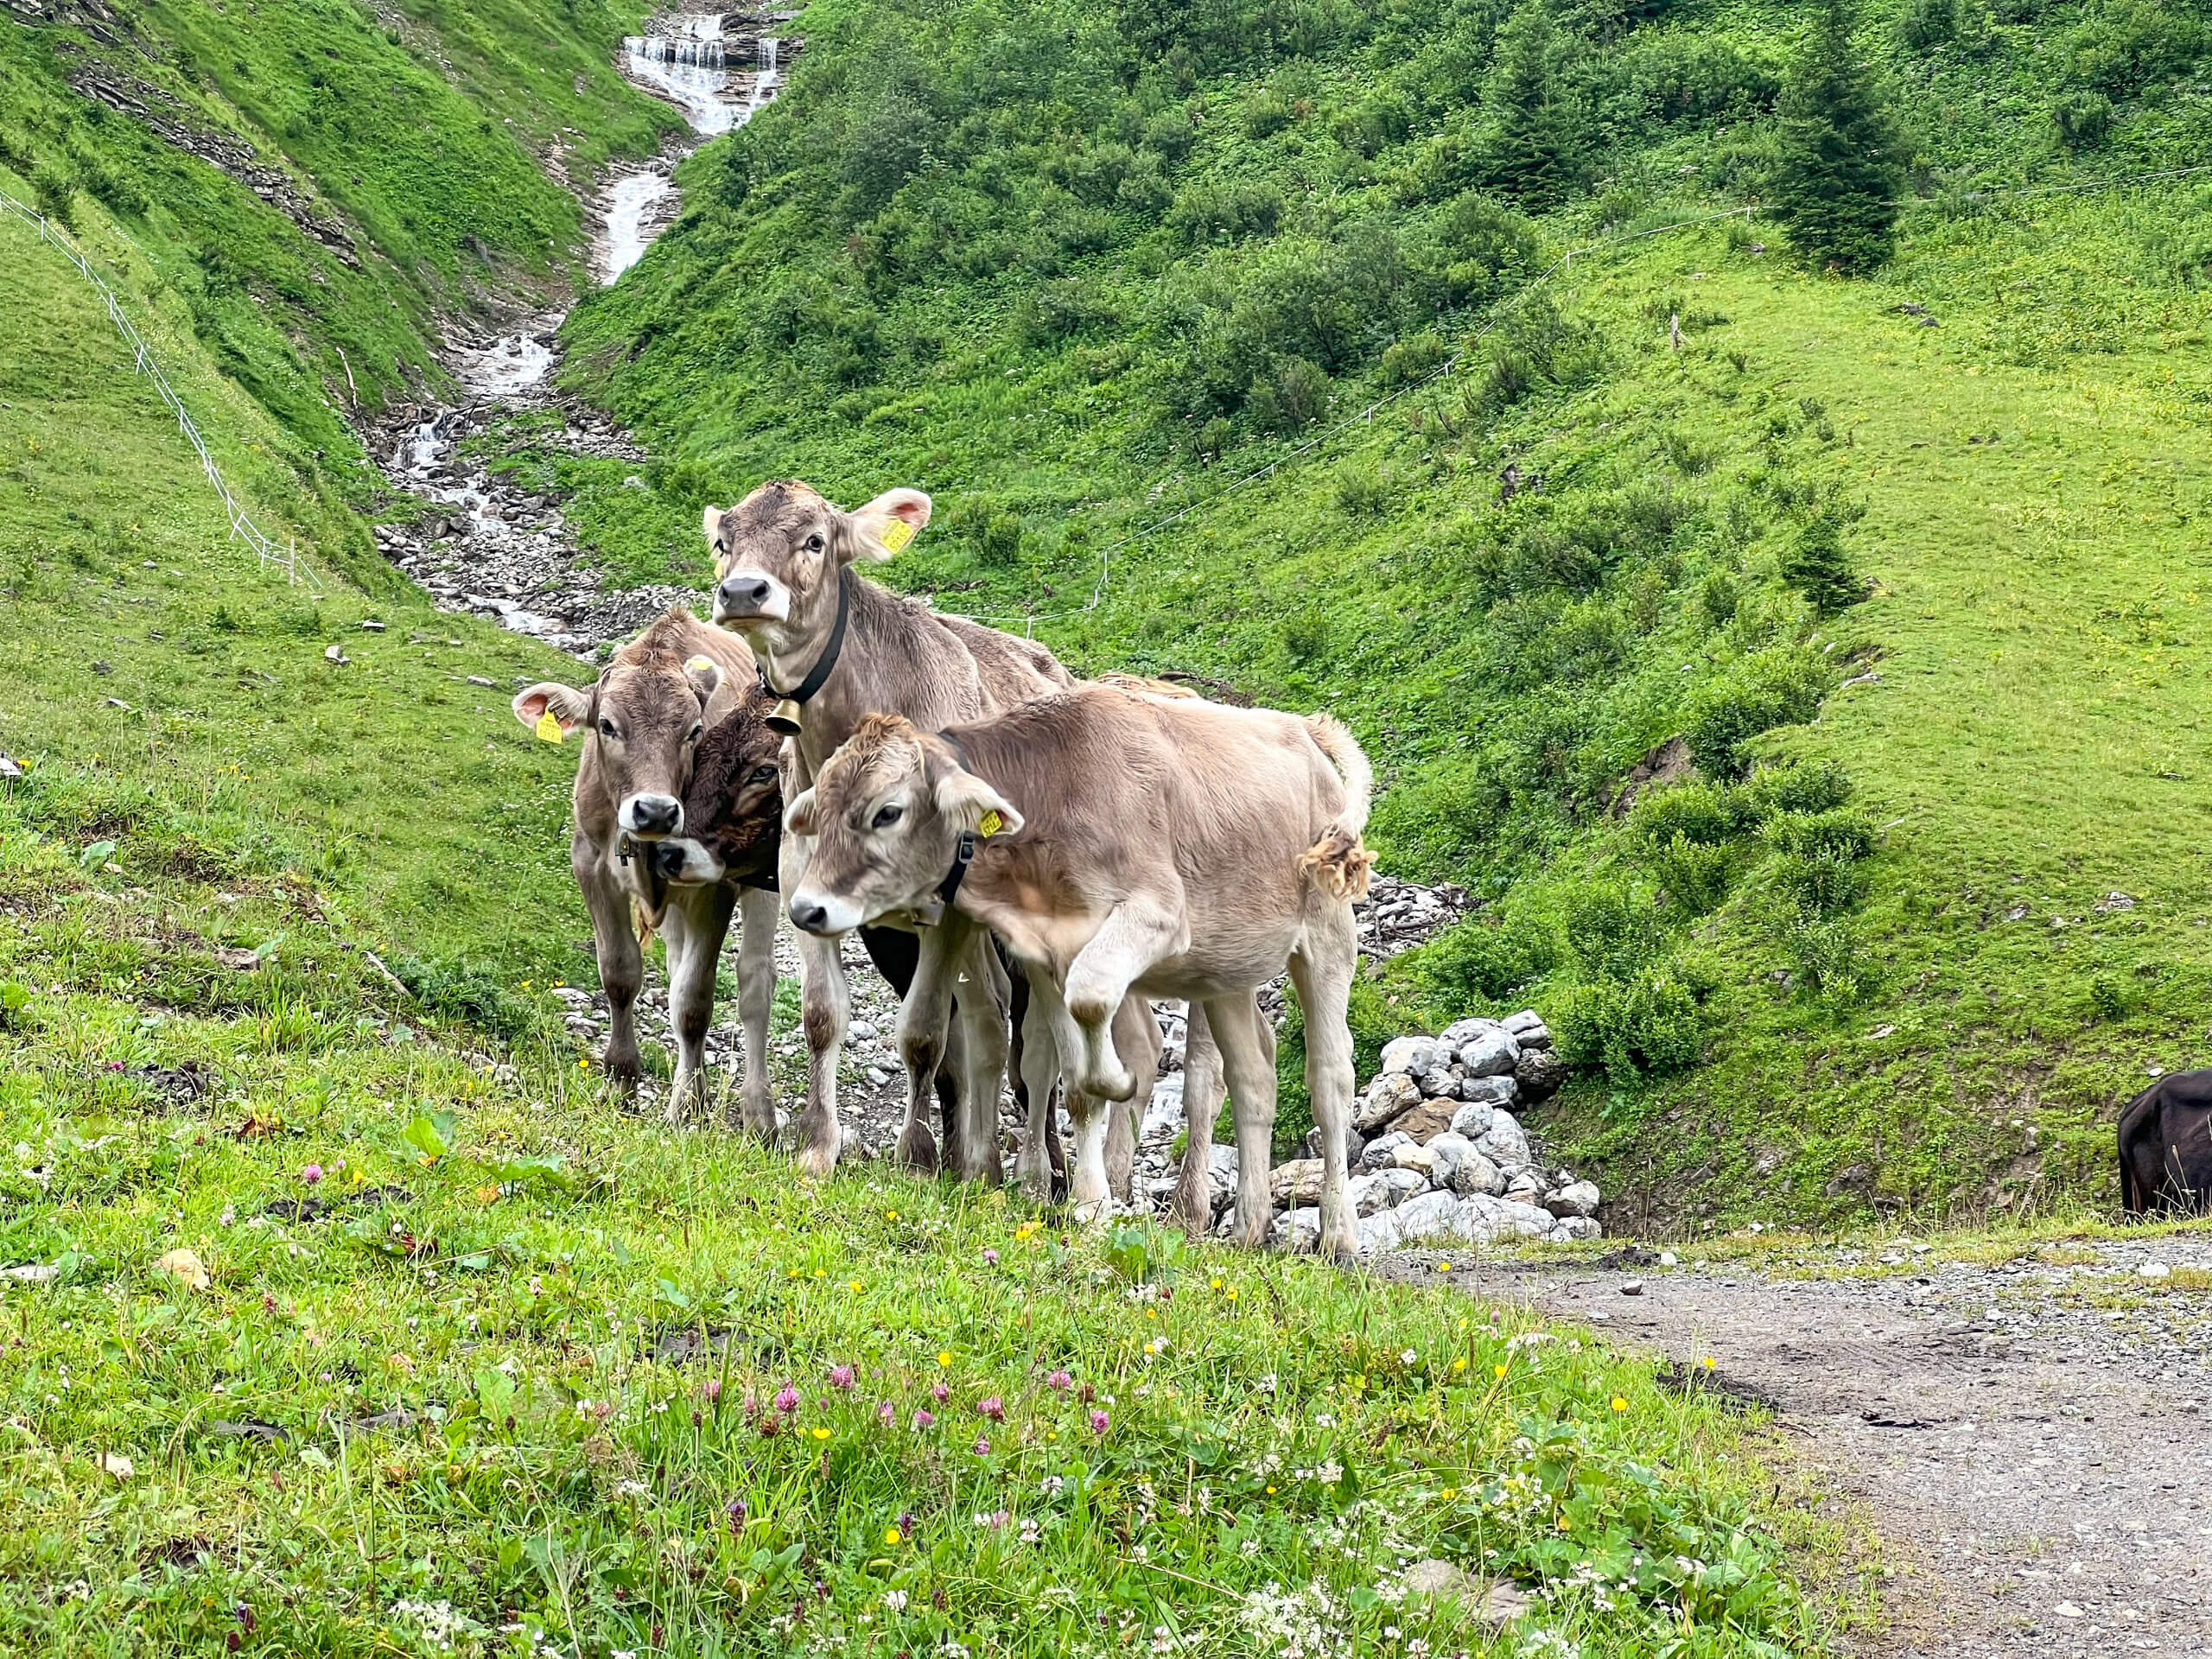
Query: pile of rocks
(1438,1152)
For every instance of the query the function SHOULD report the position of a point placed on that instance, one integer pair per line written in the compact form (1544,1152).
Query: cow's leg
(984,992)
(694,924)
(1252,1103)
(923,1017)
(894,952)
(1136,1039)
(621,965)
(825,1003)
(1321,969)
(1040,1061)
(1136,934)
(756,1002)
(1088,1196)
(1203,1093)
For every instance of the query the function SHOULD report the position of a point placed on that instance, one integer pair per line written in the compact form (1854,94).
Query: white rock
(1402,1183)
(1437,1083)
(1409,1054)
(1526,1187)
(1378,1151)
(1378,1233)
(1473,1120)
(1370,1192)
(1527,1020)
(1427,1215)
(2153,1270)
(1448,1149)
(1295,1183)
(1476,1173)
(1457,1035)
(1488,1219)
(1490,1055)
(1386,1097)
(1431,1579)
(1410,1156)
(1578,1227)
(1297,1230)
(1506,1142)
(1576,1198)
(1495,1092)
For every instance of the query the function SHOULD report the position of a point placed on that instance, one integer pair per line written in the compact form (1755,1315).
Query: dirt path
(2032,1438)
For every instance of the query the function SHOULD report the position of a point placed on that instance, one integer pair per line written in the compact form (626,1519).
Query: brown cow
(1120,843)
(841,648)
(645,720)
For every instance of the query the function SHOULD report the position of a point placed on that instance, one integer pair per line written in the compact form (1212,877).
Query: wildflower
(1031,1532)
(893,1535)
(940,1393)
(713,1390)
(982,1446)
(820,1433)
(736,1513)
(945,1357)
(1619,1404)
(895,1600)
(1410,1357)
(907,1525)
(923,1420)
(312,1173)
(1216,1284)
(787,1400)
(841,1376)
(1061,1382)
(1460,1363)
(990,1258)
(1232,1293)
(1498,1370)
(993,1407)
(1098,1423)
(1708,1362)
(1444,1267)
(885,1415)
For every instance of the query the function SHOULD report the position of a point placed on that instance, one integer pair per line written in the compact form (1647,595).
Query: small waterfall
(769,46)
(689,53)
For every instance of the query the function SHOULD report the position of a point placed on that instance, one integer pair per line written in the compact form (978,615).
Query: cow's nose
(655,814)
(810,915)
(741,595)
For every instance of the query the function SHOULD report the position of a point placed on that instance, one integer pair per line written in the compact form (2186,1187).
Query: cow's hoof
(816,1162)
(1092,1212)
(1033,1176)
(917,1150)
(1341,1246)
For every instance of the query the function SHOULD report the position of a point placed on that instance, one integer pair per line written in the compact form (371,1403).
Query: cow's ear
(890,522)
(714,527)
(971,803)
(798,817)
(706,676)
(551,709)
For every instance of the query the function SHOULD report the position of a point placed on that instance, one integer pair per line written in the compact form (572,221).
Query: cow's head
(735,807)
(779,553)
(643,722)
(886,815)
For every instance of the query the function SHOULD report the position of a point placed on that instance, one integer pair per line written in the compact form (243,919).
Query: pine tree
(1531,141)
(1838,169)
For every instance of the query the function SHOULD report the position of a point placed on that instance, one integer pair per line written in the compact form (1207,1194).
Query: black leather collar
(819,676)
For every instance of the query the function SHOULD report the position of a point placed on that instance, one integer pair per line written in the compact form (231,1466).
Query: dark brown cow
(2165,1148)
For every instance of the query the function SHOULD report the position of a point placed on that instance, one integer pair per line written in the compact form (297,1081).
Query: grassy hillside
(318,188)
(1075,271)
(333,1332)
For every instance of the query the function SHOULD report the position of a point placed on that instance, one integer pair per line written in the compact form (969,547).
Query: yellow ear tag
(989,824)
(896,535)
(548,726)
(698,663)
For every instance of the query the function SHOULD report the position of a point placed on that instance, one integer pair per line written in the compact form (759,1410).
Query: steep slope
(1077,273)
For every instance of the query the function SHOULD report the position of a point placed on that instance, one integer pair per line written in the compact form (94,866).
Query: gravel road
(2029,1435)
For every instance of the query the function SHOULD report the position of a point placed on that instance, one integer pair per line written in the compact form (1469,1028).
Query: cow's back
(2166,1146)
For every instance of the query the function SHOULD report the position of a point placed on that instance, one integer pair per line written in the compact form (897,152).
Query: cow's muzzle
(751,596)
(824,914)
(652,817)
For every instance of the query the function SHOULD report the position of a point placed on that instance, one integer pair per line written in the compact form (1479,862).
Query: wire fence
(1503,310)
(286,557)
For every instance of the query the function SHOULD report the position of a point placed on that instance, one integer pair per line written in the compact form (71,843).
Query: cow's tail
(1338,863)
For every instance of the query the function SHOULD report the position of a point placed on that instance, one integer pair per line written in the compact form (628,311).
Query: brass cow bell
(783,719)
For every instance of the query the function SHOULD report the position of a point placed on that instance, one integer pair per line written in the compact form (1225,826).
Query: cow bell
(783,719)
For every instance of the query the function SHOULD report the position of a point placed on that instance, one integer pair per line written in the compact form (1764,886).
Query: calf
(2165,1147)
(1120,843)
(636,835)
(840,648)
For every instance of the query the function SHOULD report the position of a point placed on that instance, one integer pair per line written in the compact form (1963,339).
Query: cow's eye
(695,732)
(764,775)
(815,543)
(887,815)
(606,729)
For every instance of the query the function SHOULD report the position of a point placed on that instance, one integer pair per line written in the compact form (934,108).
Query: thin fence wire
(1029,619)
(286,557)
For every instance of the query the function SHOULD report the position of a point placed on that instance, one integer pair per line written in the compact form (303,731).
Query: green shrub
(1925,23)
(1000,544)
(1780,686)
(1693,874)
(1818,566)
(2082,119)
(1849,835)
(56,193)
(1828,957)
(1267,113)
(2107,998)
(1807,786)
(1823,882)
(1702,813)
(1647,1024)
(1485,960)
(1364,492)
(1414,358)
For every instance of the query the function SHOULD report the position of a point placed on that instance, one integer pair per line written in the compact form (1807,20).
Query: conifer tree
(1531,141)
(1840,166)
